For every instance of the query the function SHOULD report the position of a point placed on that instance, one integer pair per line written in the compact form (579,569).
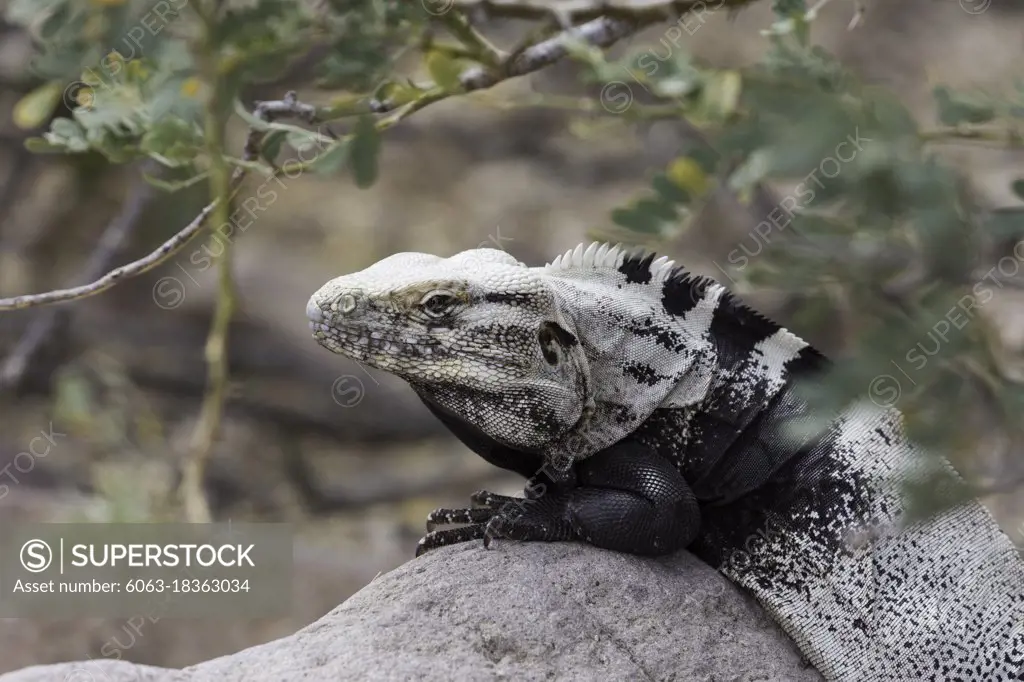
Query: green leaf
(721,95)
(271,146)
(174,140)
(445,71)
(32,110)
(657,207)
(648,215)
(751,171)
(637,221)
(687,174)
(332,160)
(669,190)
(301,140)
(363,152)
(67,134)
(1018,188)
(1005,222)
(65,127)
(888,112)
(39,145)
(389,91)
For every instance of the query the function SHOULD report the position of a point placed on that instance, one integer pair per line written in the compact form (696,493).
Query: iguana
(652,411)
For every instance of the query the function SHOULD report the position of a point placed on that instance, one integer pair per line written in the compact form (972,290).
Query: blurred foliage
(874,219)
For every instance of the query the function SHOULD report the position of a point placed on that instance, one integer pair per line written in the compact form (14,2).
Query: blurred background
(350,456)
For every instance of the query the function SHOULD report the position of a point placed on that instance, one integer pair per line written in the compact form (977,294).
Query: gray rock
(522,611)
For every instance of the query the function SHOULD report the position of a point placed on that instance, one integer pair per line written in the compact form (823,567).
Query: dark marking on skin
(513,299)
(804,498)
(682,291)
(496,334)
(807,362)
(637,268)
(883,436)
(736,330)
(618,414)
(667,337)
(644,374)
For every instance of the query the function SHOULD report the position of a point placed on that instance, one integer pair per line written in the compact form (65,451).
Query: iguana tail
(864,597)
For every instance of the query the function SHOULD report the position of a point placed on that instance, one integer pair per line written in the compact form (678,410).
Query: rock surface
(520,611)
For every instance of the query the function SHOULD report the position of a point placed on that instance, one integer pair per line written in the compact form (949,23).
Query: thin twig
(601,32)
(133,269)
(266,111)
(479,46)
(647,11)
(41,328)
(964,133)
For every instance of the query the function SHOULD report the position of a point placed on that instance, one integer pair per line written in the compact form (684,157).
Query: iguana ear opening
(554,342)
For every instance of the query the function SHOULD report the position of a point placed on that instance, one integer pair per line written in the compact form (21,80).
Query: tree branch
(643,11)
(266,111)
(1007,137)
(601,32)
(41,328)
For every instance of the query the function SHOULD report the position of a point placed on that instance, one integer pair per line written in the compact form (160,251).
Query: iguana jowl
(652,411)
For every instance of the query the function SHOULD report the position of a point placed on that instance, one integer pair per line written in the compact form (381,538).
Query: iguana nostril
(347,304)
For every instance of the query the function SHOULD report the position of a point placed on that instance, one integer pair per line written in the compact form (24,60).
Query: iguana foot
(485,505)
(493,515)
(445,517)
(449,536)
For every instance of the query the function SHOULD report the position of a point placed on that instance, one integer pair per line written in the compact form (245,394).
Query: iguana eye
(437,303)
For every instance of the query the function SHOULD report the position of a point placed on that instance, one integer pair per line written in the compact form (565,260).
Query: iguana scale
(651,411)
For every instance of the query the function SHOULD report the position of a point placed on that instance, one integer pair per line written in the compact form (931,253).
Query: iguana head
(479,334)
(563,360)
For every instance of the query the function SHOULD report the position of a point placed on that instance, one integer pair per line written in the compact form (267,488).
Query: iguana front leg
(624,498)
